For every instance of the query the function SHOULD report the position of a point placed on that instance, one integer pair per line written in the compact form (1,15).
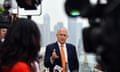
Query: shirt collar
(60,44)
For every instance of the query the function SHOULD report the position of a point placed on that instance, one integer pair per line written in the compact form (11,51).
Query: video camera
(102,37)
(89,8)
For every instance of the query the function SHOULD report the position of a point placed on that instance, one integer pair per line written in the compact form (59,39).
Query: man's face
(3,32)
(62,36)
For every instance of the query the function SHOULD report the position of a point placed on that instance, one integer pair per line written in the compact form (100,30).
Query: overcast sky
(55,8)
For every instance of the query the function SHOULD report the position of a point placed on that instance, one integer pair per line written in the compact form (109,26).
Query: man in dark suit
(3,31)
(53,55)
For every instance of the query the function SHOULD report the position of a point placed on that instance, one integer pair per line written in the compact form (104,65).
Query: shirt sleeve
(20,67)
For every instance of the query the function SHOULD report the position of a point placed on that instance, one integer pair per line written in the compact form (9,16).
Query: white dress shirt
(66,56)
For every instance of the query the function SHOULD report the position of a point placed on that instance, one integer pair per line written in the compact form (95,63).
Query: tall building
(46,19)
(53,34)
(72,24)
(41,27)
(46,30)
(79,38)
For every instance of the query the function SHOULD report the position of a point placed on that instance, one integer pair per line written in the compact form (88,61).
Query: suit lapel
(68,52)
(57,49)
(58,53)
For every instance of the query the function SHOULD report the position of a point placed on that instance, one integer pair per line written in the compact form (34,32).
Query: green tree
(1,9)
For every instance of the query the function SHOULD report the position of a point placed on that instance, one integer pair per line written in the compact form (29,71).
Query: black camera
(92,36)
(84,8)
(102,37)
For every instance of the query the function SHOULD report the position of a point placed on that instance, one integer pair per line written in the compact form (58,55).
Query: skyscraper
(53,33)
(46,29)
(72,24)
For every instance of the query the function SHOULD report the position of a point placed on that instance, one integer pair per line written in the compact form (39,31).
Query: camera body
(85,8)
(102,37)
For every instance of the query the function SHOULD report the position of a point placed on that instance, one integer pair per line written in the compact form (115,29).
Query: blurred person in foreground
(54,56)
(21,47)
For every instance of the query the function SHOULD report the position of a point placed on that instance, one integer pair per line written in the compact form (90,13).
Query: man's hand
(54,55)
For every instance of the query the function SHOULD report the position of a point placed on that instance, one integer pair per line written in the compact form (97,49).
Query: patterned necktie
(63,59)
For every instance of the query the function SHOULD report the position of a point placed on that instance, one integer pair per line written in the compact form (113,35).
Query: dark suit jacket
(72,57)
(1,44)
